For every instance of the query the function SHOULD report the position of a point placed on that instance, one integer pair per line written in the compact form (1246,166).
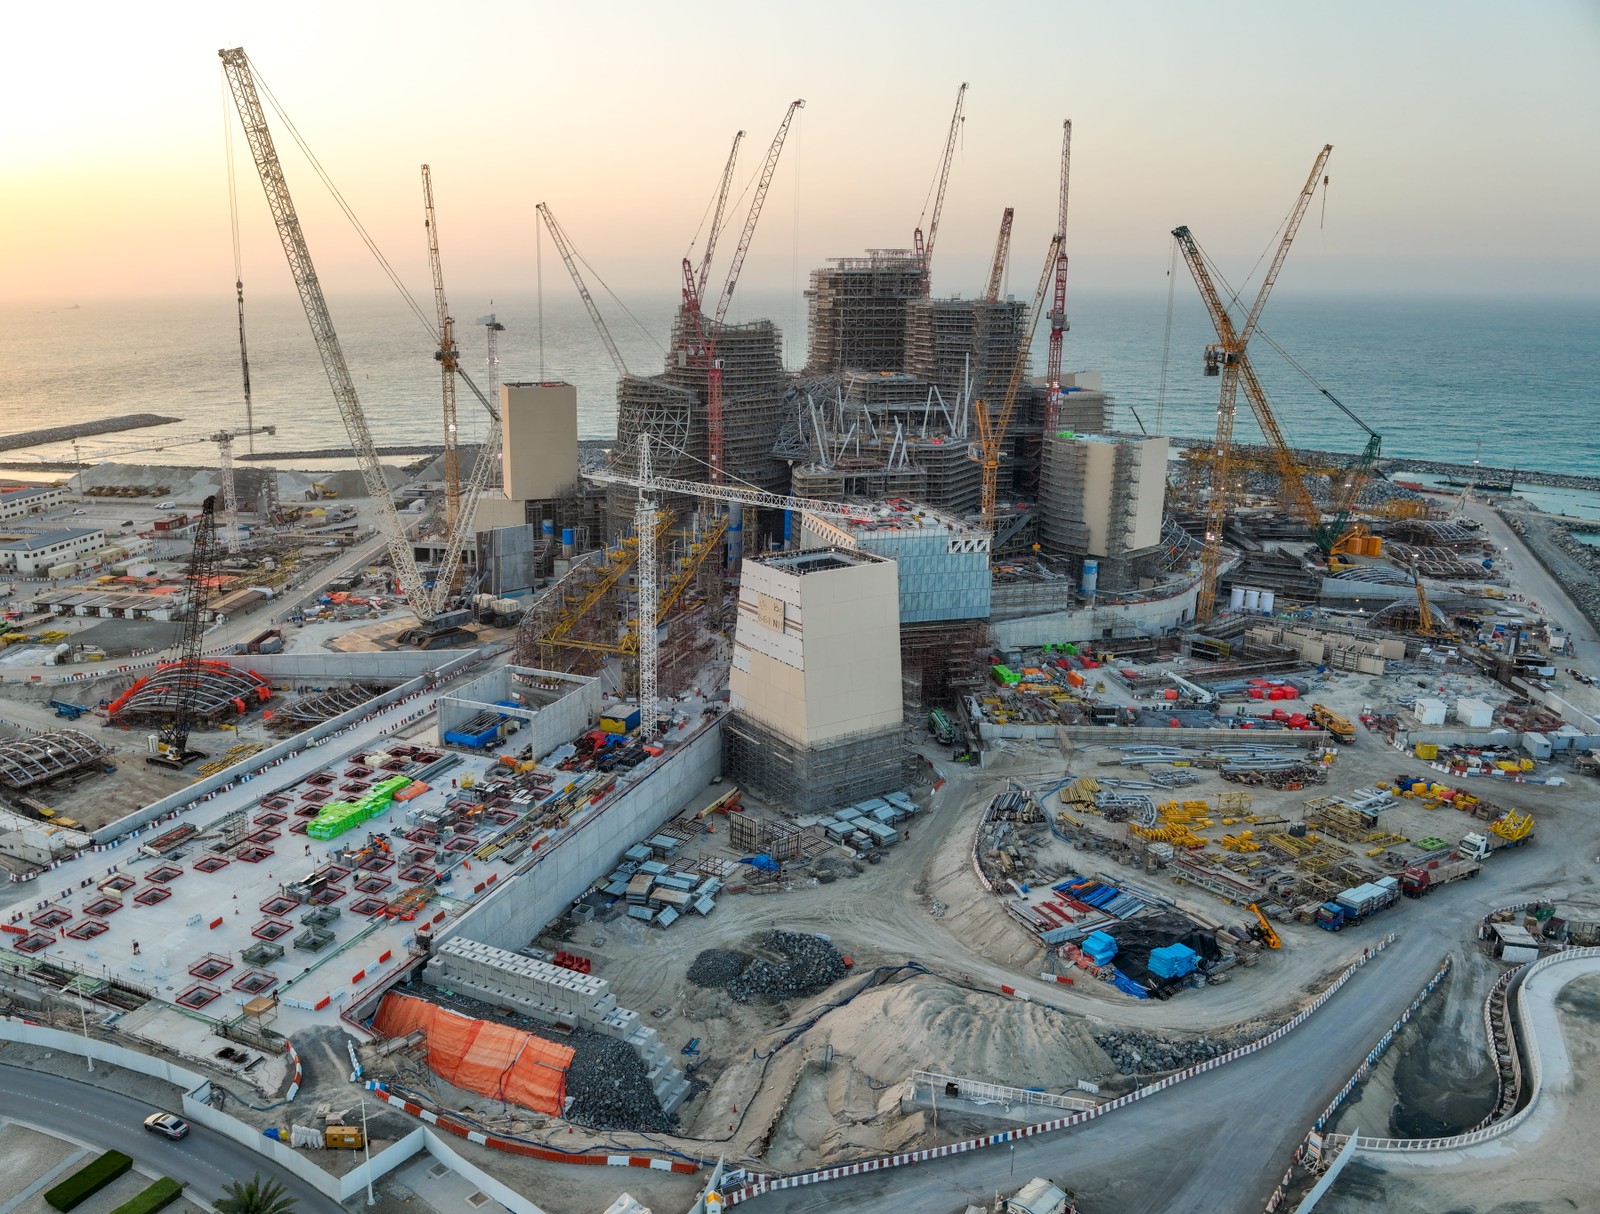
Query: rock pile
(718,968)
(608,1085)
(1136,1052)
(810,965)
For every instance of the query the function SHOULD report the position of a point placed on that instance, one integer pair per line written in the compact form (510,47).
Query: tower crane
(1229,356)
(651,490)
(715,228)
(1058,305)
(446,358)
(924,246)
(997,268)
(427,601)
(223,439)
(492,329)
(704,352)
(992,427)
(170,746)
(564,247)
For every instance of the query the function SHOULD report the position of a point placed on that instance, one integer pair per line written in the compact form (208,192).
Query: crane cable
(1166,341)
(238,268)
(1287,357)
(349,212)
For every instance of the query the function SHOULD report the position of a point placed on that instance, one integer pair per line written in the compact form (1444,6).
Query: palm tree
(256,1196)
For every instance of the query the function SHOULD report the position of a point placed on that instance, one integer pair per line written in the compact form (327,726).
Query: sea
(1513,382)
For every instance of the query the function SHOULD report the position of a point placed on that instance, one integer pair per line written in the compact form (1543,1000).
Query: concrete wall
(555,877)
(546,724)
(539,422)
(1091,623)
(817,653)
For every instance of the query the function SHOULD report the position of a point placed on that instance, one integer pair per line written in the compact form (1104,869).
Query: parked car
(168,1125)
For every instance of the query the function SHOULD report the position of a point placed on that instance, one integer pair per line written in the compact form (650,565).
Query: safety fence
(765,1184)
(1535,1077)
(1314,1143)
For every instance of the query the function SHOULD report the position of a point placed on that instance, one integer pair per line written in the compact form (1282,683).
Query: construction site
(843,763)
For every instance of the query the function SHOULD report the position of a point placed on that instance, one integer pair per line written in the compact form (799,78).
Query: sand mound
(927,1024)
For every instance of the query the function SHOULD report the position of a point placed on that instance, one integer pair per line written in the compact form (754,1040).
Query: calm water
(1513,381)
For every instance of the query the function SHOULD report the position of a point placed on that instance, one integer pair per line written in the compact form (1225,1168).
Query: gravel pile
(810,965)
(1134,1051)
(718,968)
(830,868)
(609,1086)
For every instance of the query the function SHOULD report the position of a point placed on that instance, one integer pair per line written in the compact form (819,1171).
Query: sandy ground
(1555,1171)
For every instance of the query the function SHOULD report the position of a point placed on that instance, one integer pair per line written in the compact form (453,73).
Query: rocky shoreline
(65,434)
(1575,565)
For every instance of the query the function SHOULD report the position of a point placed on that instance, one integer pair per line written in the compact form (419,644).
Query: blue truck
(1357,903)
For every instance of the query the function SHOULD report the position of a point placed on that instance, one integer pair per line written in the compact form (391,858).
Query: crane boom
(241,82)
(1233,354)
(1235,367)
(997,268)
(924,246)
(768,168)
(735,495)
(564,247)
(992,430)
(716,220)
(1290,227)
(446,357)
(1058,305)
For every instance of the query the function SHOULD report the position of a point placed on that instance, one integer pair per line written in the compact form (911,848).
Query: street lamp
(366,1145)
(84,1016)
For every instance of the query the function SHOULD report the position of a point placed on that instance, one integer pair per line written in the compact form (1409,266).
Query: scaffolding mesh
(857,311)
(810,780)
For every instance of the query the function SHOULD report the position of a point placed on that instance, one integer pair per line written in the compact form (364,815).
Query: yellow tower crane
(992,427)
(1228,358)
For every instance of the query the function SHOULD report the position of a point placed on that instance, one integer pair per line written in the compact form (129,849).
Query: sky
(1466,139)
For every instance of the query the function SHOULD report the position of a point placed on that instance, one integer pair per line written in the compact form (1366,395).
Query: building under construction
(857,311)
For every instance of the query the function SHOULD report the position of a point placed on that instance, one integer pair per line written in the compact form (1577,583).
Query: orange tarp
(414,789)
(481,1056)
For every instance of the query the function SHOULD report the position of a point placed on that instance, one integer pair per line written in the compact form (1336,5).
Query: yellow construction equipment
(1229,359)
(1264,932)
(992,428)
(1513,825)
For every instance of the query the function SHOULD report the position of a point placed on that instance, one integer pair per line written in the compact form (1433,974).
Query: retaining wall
(558,875)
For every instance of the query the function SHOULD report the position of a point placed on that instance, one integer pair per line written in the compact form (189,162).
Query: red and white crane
(703,353)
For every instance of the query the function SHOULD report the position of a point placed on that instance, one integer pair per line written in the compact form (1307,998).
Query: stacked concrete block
(557,996)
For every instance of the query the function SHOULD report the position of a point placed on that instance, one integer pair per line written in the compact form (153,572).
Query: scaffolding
(954,343)
(591,614)
(813,779)
(879,435)
(857,311)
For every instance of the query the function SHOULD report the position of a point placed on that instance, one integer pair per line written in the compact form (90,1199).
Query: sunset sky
(1466,137)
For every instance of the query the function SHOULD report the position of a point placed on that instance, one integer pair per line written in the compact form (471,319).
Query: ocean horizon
(1512,381)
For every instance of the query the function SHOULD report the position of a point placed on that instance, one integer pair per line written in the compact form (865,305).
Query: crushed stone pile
(718,968)
(608,1085)
(810,965)
(1135,1051)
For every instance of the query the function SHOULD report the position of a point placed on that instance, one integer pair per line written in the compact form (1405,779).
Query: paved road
(1219,1142)
(204,1161)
